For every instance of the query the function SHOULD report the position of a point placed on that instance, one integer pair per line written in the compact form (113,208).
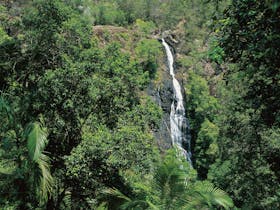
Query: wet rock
(163,95)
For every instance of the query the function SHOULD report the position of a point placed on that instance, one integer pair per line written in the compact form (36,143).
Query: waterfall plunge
(178,120)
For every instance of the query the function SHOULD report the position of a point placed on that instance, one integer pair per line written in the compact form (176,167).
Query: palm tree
(24,166)
(38,162)
(174,186)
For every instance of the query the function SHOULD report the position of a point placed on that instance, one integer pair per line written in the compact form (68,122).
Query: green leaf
(36,140)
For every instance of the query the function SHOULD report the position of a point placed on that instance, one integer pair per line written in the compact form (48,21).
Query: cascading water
(178,120)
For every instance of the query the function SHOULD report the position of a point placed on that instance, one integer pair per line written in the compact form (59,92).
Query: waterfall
(178,120)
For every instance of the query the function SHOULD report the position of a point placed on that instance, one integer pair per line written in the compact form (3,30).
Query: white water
(178,120)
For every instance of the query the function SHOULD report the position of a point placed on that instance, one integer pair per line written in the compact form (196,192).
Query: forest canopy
(79,125)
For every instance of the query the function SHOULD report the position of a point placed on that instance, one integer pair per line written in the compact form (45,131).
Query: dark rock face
(162,94)
(163,97)
(165,94)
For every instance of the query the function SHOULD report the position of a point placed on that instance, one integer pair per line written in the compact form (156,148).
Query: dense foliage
(77,123)
(249,120)
(233,105)
(53,71)
(173,186)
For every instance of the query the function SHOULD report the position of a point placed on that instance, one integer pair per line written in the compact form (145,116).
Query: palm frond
(102,206)
(213,195)
(152,206)
(36,140)
(134,204)
(220,198)
(46,179)
(116,193)
(127,203)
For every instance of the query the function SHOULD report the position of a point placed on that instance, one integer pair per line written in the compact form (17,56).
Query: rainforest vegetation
(77,121)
